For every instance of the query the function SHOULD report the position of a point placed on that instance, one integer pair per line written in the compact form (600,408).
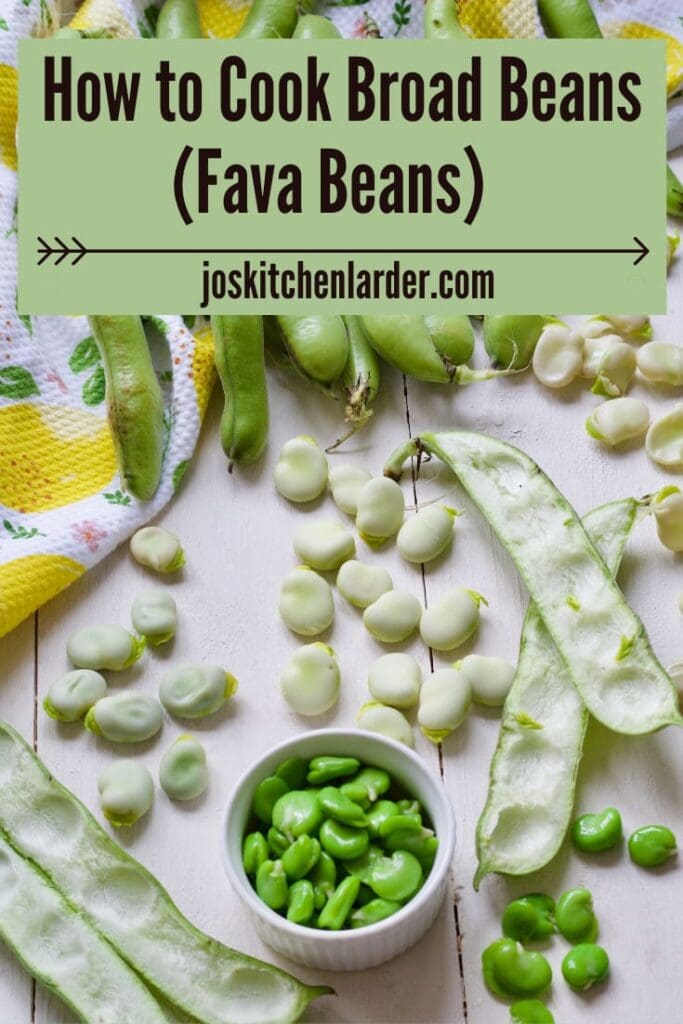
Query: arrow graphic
(76,251)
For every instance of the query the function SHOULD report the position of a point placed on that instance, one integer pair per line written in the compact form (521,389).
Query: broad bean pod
(510,341)
(178,19)
(314,26)
(271,19)
(568,19)
(441,20)
(241,366)
(318,345)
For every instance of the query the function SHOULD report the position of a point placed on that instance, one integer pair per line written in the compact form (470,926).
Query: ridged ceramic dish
(356,949)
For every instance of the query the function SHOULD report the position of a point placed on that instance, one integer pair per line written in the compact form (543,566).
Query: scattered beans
(651,845)
(126,792)
(157,549)
(558,356)
(574,916)
(451,620)
(183,772)
(622,419)
(125,718)
(393,616)
(154,616)
(664,439)
(594,833)
(194,691)
(585,965)
(362,584)
(311,679)
(490,679)
(346,483)
(104,647)
(324,544)
(445,700)
(427,534)
(306,605)
(301,471)
(380,510)
(73,694)
(395,679)
(661,362)
(667,507)
(376,717)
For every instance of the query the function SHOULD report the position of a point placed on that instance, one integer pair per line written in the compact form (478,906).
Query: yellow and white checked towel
(62,507)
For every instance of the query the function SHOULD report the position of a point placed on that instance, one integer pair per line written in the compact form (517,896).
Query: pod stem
(393,467)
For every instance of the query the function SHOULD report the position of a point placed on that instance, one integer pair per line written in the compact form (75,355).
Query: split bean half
(395,679)
(667,507)
(154,616)
(445,700)
(387,721)
(664,439)
(324,544)
(183,772)
(157,549)
(301,471)
(490,679)
(585,965)
(393,616)
(594,833)
(622,419)
(451,620)
(651,845)
(346,483)
(427,534)
(125,717)
(558,356)
(195,691)
(126,792)
(104,647)
(311,679)
(306,605)
(73,694)
(381,507)
(360,584)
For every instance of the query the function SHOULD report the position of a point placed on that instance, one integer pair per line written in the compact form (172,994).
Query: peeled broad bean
(427,534)
(558,356)
(338,806)
(595,348)
(183,772)
(194,691)
(73,694)
(126,792)
(154,616)
(373,911)
(369,784)
(327,768)
(451,620)
(293,772)
(667,507)
(445,699)
(395,679)
(530,1011)
(125,717)
(254,852)
(585,965)
(529,918)
(306,603)
(664,439)
(301,857)
(510,970)
(397,877)
(615,371)
(380,510)
(297,813)
(157,549)
(490,679)
(574,916)
(651,845)
(343,842)
(376,717)
(310,681)
(346,483)
(271,884)
(104,647)
(393,616)
(338,907)
(661,362)
(636,328)
(301,471)
(324,544)
(594,833)
(266,795)
(362,584)
(301,902)
(619,420)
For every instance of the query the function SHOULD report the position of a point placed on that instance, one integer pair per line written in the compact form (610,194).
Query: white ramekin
(349,950)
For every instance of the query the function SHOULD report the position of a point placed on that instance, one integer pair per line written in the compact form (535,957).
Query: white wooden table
(237,534)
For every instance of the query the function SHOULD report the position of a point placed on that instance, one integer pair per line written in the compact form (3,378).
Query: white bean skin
(490,679)
(183,772)
(311,679)
(125,717)
(194,691)
(154,615)
(157,549)
(661,362)
(619,420)
(427,534)
(393,616)
(300,474)
(664,439)
(451,620)
(324,544)
(633,327)
(445,700)
(71,696)
(103,647)
(362,584)
(595,348)
(395,679)
(126,792)
(346,483)
(376,717)
(667,507)
(616,371)
(558,356)
(306,605)
(381,506)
